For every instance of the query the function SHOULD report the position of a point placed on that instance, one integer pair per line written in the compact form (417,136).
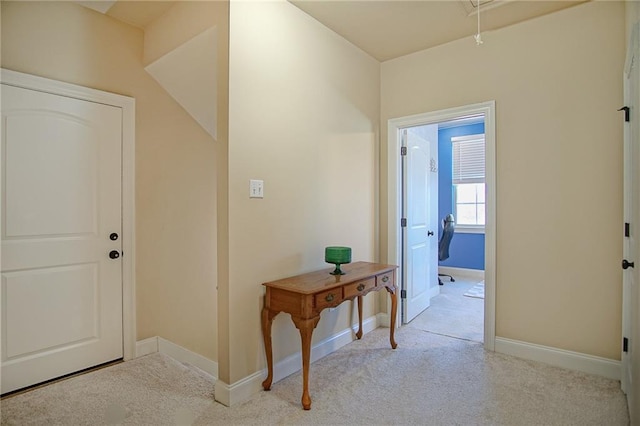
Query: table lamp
(338,256)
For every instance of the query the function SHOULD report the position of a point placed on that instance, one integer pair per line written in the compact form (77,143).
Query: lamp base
(337,271)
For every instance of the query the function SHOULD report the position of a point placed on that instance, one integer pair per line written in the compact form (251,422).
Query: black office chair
(448,226)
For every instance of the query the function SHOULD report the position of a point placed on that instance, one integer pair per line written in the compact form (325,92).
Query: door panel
(49,322)
(420,248)
(32,183)
(61,200)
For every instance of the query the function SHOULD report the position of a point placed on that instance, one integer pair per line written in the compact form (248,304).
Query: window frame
(467,228)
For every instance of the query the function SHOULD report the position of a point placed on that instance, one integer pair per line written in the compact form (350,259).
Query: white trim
(490,227)
(434,291)
(188,357)
(129,228)
(245,388)
(465,138)
(177,352)
(382,320)
(570,360)
(127,105)
(147,346)
(293,363)
(240,391)
(469,229)
(466,121)
(471,274)
(394,199)
(33,82)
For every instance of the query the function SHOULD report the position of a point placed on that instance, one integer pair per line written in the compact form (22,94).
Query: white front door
(631,275)
(420,206)
(61,300)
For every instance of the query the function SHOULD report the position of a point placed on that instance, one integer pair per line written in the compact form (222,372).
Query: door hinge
(403,150)
(626,112)
(403,294)
(625,344)
(626,229)
(403,222)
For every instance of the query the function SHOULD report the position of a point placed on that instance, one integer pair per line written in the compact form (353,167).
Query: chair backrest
(448,227)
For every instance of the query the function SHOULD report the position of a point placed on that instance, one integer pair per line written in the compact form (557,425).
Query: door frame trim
(127,105)
(394,241)
(630,145)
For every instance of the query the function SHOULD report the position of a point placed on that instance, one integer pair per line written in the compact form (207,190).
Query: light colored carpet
(476,291)
(452,314)
(428,380)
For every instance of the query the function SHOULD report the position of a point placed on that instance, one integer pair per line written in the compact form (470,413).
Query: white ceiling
(138,13)
(385,29)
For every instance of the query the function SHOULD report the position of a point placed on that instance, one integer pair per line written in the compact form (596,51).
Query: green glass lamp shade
(338,256)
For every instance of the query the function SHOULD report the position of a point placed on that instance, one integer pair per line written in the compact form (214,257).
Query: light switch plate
(256,188)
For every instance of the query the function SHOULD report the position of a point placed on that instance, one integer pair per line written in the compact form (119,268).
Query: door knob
(114,254)
(626,264)
(429,233)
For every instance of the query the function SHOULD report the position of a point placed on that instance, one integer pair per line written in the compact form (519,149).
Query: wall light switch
(256,188)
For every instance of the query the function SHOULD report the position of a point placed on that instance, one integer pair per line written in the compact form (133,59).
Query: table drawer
(361,287)
(327,298)
(385,279)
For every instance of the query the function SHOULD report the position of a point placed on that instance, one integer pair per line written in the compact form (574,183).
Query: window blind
(468,159)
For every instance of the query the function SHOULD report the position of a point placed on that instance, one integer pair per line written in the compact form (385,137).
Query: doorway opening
(420,150)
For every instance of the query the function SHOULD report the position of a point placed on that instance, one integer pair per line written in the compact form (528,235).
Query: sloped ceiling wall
(194,88)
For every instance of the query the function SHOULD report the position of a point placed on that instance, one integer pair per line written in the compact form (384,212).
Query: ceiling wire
(478,37)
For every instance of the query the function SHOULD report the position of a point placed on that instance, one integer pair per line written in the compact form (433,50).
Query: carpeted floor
(452,314)
(476,291)
(429,379)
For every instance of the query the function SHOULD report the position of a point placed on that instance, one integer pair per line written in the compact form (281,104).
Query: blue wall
(466,250)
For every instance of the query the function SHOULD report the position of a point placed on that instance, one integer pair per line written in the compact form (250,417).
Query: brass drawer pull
(329,297)
(360,287)
(385,279)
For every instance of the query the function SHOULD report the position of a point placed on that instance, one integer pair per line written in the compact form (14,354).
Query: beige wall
(557,85)
(175,161)
(303,108)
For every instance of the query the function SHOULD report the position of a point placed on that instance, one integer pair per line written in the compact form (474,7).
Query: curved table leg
(306,327)
(359,333)
(267,320)
(394,312)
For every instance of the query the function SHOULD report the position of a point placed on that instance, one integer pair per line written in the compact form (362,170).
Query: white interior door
(631,275)
(420,205)
(61,221)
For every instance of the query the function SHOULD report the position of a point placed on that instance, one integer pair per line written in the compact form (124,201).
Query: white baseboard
(146,346)
(180,354)
(293,363)
(472,274)
(240,391)
(244,389)
(188,357)
(382,319)
(590,364)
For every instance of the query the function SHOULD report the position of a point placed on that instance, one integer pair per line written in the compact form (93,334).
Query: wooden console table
(305,296)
